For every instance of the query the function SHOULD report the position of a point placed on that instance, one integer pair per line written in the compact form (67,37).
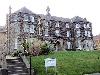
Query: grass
(69,63)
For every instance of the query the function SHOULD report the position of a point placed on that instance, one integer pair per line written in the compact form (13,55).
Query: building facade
(61,33)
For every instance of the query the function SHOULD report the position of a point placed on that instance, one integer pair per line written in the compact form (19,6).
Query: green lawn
(69,63)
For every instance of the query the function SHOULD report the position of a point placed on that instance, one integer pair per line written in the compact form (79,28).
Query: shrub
(45,49)
(15,53)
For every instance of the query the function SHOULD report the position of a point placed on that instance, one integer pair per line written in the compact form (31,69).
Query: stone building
(61,33)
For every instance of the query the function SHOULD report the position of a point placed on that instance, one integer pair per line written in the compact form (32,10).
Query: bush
(45,49)
(15,53)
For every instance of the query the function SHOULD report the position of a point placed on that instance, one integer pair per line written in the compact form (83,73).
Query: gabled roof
(77,19)
(24,10)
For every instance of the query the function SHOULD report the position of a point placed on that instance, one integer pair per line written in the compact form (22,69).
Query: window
(15,18)
(46,23)
(31,18)
(79,44)
(25,18)
(78,33)
(46,32)
(67,33)
(85,33)
(57,33)
(68,45)
(67,25)
(77,25)
(15,27)
(31,28)
(57,24)
(15,44)
(85,26)
(26,28)
(89,34)
(88,25)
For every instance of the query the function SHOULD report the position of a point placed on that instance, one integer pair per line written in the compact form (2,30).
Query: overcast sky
(89,9)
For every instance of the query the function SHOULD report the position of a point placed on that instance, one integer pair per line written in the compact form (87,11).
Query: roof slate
(48,16)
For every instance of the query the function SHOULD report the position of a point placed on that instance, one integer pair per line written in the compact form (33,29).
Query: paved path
(15,66)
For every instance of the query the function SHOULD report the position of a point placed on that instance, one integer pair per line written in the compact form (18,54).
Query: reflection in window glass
(26,28)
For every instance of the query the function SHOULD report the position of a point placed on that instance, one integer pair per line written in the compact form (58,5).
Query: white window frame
(85,26)
(32,18)
(26,28)
(25,17)
(15,44)
(78,33)
(57,32)
(88,25)
(15,27)
(15,18)
(89,34)
(31,28)
(46,32)
(86,33)
(46,23)
(68,33)
(57,24)
(77,25)
(67,25)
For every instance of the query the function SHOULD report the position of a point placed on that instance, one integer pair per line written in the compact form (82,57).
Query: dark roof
(74,19)
(24,10)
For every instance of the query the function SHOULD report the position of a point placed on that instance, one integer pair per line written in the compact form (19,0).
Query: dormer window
(88,25)
(78,33)
(68,33)
(77,25)
(25,18)
(46,32)
(15,18)
(57,33)
(85,26)
(67,25)
(31,18)
(46,23)
(57,24)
